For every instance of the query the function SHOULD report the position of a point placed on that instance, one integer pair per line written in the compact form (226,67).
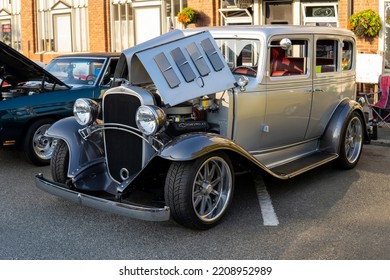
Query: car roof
(91,54)
(272,29)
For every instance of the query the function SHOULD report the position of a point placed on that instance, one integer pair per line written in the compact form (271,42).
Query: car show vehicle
(191,109)
(32,98)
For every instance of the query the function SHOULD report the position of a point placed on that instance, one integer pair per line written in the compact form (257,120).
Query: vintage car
(190,110)
(32,98)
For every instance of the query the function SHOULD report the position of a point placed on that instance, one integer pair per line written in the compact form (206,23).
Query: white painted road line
(267,210)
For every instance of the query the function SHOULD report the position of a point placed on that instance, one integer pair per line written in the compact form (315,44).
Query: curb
(380,142)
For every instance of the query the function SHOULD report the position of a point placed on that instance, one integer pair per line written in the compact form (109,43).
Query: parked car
(32,98)
(190,110)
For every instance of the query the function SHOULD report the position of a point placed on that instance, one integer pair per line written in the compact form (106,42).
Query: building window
(62,27)
(236,12)
(320,14)
(173,7)
(10,24)
(278,12)
(122,27)
(129,26)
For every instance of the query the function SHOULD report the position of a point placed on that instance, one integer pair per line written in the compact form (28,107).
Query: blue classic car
(32,98)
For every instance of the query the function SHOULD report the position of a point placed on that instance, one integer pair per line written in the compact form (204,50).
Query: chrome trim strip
(87,131)
(128,210)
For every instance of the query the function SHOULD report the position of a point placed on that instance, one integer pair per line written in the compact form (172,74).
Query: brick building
(42,29)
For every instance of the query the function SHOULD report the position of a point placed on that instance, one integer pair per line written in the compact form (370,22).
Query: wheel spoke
(197,201)
(209,203)
(203,206)
(212,171)
(215,193)
(215,182)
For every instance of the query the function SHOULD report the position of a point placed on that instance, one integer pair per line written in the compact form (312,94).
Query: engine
(190,116)
(26,89)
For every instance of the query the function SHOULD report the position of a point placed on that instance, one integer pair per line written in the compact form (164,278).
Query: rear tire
(351,144)
(60,162)
(199,192)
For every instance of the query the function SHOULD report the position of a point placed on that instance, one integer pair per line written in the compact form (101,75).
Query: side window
(346,63)
(326,56)
(292,62)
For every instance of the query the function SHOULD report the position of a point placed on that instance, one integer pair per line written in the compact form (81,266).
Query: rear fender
(330,141)
(80,150)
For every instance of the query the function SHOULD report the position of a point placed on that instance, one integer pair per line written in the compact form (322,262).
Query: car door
(327,83)
(289,87)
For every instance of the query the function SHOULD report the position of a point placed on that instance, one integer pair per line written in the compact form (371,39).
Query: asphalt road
(323,214)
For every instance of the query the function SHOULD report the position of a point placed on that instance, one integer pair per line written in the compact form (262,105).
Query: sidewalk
(383,136)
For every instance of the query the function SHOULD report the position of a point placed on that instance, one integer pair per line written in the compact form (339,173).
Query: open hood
(182,67)
(15,68)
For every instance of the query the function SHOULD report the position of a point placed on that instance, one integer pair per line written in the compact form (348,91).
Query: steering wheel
(90,78)
(245,70)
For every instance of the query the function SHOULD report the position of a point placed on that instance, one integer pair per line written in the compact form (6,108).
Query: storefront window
(62,27)
(10,23)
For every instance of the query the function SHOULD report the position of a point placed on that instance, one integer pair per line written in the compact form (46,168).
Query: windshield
(76,71)
(240,52)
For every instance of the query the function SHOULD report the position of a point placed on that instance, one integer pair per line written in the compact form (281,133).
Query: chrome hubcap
(43,145)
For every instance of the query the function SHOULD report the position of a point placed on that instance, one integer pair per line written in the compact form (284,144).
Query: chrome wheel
(37,147)
(351,143)
(199,192)
(43,146)
(212,189)
(353,139)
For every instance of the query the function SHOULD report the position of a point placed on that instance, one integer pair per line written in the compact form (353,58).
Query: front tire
(60,162)
(38,148)
(199,192)
(351,142)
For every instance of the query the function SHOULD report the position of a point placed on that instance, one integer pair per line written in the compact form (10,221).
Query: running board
(303,164)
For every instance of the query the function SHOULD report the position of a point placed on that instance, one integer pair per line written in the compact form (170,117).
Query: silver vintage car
(190,109)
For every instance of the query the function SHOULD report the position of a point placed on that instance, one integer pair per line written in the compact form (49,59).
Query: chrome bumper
(128,210)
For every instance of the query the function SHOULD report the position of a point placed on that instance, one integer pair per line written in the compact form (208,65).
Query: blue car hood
(15,68)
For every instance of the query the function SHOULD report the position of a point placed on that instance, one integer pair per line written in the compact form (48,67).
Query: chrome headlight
(86,111)
(150,119)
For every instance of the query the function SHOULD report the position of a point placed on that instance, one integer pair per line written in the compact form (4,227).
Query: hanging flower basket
(366,23)
(187,16)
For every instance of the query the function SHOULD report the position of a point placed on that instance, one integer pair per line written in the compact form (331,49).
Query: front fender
(331,139)
(194,145)
(80,150)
